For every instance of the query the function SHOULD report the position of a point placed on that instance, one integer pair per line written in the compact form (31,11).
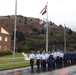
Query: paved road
(25,71)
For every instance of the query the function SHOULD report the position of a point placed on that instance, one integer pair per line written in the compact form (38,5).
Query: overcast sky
(59,11)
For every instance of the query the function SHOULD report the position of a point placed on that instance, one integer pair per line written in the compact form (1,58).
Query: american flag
(43,10)
(41,22)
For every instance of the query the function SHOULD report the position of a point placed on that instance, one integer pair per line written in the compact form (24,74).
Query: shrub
(5,52)
(26,49)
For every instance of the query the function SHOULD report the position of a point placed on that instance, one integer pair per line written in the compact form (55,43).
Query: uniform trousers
(41,64)
(44,64)
(57,61)
(53,63)
(38,64)
(31,64)
(50,64)
(65,62)
(61,61)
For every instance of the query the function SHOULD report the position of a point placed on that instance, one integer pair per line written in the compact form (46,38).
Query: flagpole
(64,37)
(15,30)
(47,29)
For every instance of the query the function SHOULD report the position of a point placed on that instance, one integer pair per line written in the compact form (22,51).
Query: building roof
(10,33)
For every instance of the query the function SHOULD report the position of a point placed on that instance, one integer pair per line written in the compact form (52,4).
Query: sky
(59,11)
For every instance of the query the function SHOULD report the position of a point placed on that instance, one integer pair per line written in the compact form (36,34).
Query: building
(5,38)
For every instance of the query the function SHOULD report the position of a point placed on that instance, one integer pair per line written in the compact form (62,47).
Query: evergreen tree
(70,31)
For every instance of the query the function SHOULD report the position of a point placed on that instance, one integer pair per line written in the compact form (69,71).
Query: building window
(6,39)
(0,38)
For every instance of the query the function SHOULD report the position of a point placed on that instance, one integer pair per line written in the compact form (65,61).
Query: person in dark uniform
(38,60)
(72,58)
(68,58)
(50,61)
(65,59)
(57,58)
(32,56)
(71,55)
(75,57)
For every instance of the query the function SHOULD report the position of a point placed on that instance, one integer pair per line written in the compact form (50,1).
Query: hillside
(35,34)
(24,23)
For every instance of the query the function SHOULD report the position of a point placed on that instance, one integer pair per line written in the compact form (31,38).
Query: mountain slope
(35,34)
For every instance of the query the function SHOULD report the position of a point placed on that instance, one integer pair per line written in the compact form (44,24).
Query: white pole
(47,28)
(64,37)
(15,30)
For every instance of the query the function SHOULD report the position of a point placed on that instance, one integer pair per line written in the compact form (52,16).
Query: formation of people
(51,60)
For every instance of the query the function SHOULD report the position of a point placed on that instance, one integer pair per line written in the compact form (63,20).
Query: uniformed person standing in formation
(61,58)
(65,59)
(69,58)
(32,57)
(41,60)
(54,58)
(57,58)
(50,61)
(38,58)
(44,61)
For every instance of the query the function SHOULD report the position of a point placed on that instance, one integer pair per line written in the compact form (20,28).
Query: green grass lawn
(10,63)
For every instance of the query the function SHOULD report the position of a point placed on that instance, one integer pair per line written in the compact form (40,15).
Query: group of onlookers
(51,60)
